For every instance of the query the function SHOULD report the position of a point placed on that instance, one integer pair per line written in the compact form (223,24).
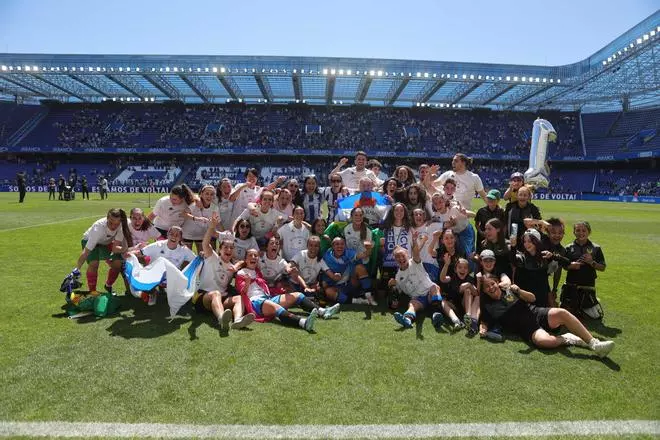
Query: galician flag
(181,285)
(374,205)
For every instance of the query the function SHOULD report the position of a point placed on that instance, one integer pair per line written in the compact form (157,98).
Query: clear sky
(502,31)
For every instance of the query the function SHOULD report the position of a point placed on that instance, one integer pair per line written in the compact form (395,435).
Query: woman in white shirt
(170,210)
(105,240)
(197,217)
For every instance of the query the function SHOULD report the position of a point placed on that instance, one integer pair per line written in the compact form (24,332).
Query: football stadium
(202,246)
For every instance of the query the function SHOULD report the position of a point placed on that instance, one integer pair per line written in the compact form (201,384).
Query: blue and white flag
(181,285)
(375,206)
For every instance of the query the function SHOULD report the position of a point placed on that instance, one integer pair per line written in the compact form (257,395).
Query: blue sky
(504,31)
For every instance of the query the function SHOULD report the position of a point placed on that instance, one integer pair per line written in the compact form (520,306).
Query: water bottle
(514,230)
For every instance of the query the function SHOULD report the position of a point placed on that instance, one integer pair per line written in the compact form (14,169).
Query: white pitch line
(38,225)
(506,429)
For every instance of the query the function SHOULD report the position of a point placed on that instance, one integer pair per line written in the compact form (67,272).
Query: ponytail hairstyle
(146,223)
(184,192)
(465,159)
(121,214)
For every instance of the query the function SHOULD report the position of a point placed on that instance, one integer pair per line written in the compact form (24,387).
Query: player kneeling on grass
(215,292)
(257,299)
(510,308)
(106,239)
(346,275)
(413,280)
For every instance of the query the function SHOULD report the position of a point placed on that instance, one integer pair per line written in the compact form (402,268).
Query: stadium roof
(627,69)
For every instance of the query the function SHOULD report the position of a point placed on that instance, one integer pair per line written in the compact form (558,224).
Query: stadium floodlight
(515,78)
(625,49)
(479,77)
(455,76)
(348,72)
(639,41)
(426,75)
(435,75)
(471,76)
(341,102)
(222,70)
(27,68)
(508,78)
(645,37)
(418,74)
(325,71)
(464,76)
(552,80)
(332,71)
(459,105)
(198,70)
(302,71)
(379,73)
(523,79)
(545,80)
(558,81)
(128,69)
(3,68)
(35,68)
(341,71)
(371,72)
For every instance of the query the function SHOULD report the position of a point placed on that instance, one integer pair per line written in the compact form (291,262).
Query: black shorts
(520,319)
(541,314)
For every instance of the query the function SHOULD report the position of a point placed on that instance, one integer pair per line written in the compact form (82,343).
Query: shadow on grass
(574,353)
(597,326)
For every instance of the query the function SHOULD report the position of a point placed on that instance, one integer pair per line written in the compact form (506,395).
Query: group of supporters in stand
(406,242)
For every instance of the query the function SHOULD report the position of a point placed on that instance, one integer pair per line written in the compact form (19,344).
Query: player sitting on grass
(215,292)
(347,276)
(460,293)
(412,279)
(172,250)
(254,289)
(510,308)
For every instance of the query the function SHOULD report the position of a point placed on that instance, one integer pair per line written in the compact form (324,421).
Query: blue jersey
(342,265)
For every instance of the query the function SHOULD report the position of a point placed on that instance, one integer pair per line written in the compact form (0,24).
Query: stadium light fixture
(472,77)
(639,41)
(418,74)
(515,78)
(645,37)
(464,76)
(325,71)
(348,72)
(479,77)
(558,81)
(552,80)
(27,68)
(426,74)
(175,69)
(333,71)
(35,68)
(371,72)
(455,76)
(524,79)
(435,75)
(508,78)
(341,71)
(4,68)
(379,73)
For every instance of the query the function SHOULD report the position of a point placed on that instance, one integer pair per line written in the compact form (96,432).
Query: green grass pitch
(357,369)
